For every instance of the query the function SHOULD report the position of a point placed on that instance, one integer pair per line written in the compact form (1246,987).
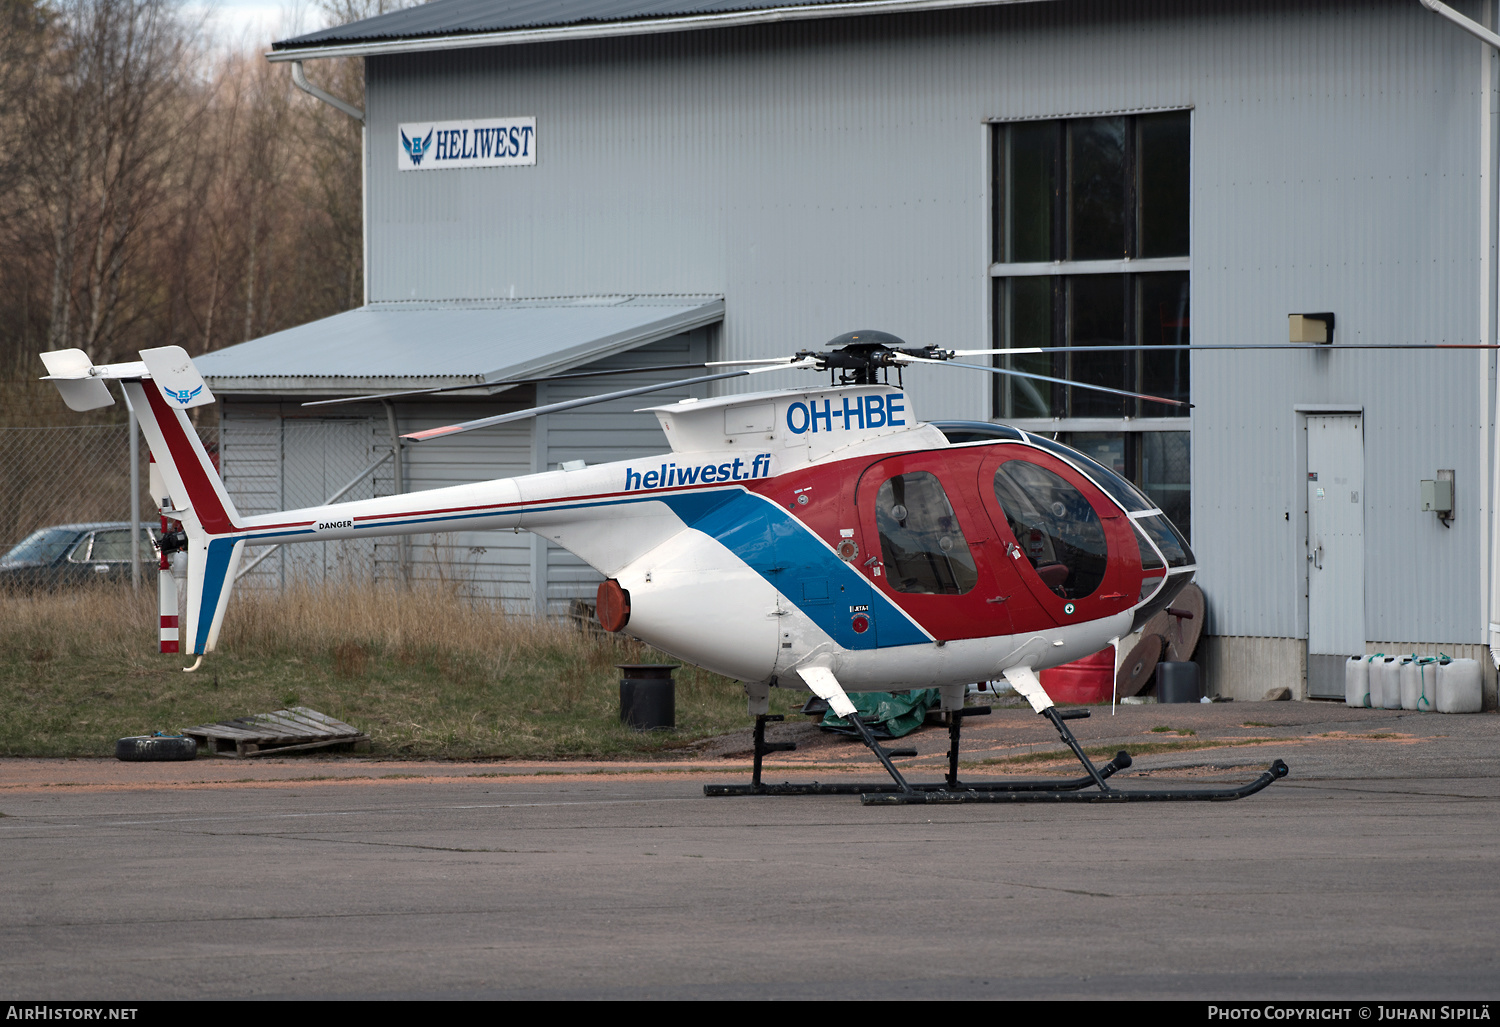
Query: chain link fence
(81,474)
(70,475)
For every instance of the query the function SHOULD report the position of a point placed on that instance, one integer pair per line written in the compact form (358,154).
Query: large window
(1158,462)
(1091,228)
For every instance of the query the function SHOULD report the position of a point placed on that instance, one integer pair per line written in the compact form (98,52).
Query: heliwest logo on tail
(183,395)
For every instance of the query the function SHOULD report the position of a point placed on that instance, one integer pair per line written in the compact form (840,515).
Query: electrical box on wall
(1437,495)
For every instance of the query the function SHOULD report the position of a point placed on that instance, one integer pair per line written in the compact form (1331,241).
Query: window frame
(1000,271)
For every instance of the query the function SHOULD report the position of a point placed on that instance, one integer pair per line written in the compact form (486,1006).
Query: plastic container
(1385,684)
(1458,687)
(1402,663)
(1419,683)
(1089,680)
(1357,681)
(1177,682)
(648,696)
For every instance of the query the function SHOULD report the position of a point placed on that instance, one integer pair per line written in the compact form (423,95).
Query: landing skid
(901,792)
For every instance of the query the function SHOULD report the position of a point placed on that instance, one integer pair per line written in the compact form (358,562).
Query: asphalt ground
(1367,875)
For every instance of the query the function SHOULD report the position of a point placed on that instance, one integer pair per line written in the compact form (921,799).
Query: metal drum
(648,695)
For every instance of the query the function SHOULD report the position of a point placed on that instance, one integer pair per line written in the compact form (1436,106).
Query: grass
(1159,729)
(423,671)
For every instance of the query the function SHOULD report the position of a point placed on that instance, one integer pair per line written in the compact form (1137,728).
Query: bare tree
(109,111)
(152,193)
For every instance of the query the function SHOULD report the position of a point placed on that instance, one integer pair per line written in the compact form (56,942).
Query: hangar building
(551,186)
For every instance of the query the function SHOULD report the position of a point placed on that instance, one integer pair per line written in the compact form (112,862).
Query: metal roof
(421,345)
(449,24)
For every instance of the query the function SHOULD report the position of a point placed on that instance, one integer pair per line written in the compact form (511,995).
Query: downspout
(299,77)
(1490,533)
(403,548)
(333,101)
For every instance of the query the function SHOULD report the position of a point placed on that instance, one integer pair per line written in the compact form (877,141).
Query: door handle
(997,599)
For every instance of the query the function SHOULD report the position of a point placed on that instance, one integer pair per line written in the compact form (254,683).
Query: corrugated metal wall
(271,463)
(274,457)
(832,175)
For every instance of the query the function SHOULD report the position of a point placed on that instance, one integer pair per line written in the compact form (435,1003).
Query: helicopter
(820,538)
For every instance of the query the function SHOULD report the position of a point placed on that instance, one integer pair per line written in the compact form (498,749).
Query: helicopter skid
(924,787)
(900,792)
(970,793)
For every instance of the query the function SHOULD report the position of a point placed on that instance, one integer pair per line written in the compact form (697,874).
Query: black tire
(156,748)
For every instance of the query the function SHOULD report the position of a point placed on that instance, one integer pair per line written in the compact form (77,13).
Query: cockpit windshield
(1121,491)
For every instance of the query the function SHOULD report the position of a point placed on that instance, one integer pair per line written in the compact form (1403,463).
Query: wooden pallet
(269,734)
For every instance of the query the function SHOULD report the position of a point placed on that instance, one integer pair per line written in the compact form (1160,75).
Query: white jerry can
(1458,687)
(1419,684)
(1403,673)
(1357,681)
(1385,684)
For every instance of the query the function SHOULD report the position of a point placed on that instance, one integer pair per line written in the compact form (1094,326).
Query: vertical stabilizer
(193,495)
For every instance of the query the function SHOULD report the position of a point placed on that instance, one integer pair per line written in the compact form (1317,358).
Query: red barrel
(1091,679)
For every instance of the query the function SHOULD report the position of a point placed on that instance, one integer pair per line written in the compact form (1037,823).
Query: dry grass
(424,671)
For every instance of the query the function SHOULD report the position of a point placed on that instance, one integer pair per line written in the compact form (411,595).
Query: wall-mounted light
(1311,328)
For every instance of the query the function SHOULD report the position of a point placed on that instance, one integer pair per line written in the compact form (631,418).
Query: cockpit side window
(921,543)
(1054,524)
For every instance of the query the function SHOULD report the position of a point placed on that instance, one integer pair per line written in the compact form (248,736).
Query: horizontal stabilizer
(69,370)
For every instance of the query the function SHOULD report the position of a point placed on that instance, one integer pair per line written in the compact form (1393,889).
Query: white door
(1335,549)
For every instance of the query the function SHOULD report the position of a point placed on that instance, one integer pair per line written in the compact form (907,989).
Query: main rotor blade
(535,381)
(1045,378)
(573,404)
(1146,347)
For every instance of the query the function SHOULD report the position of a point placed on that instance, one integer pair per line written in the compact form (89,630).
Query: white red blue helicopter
(824,538)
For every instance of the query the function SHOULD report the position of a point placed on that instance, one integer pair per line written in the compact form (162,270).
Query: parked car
(70,555)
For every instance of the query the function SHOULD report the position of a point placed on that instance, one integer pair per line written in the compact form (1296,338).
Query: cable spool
(1186,614)
(1138,666)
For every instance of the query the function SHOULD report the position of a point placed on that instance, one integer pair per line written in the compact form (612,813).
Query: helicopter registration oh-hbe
(820,538)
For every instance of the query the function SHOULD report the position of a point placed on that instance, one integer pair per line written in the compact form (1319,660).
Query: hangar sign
(490,143)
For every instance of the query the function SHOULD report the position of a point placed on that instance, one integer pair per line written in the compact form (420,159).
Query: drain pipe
(403,542)
(300,78)
(1492,613)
